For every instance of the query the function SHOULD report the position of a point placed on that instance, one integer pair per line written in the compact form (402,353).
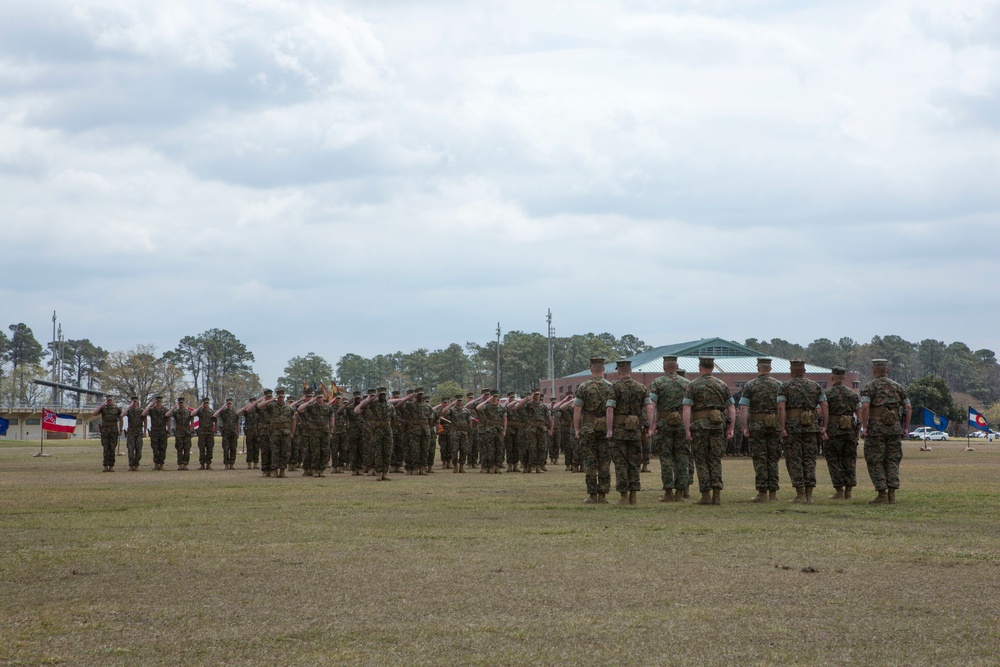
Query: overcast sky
(378,176)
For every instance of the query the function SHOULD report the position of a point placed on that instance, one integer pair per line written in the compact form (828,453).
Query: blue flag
(977,421)
(4,425)
(934,420)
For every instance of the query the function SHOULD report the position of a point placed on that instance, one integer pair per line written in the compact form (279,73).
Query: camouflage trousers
(800,459)
(533,446)
(511,445)
(339,457)
(133,443)
(296,452)
(355,448)
(368,446)
(182,443)
(626,453)
(281,448)
(229,439)
(707,445)
(206,446)
(109,445)
(764,450)
(445,443)
(596,455)
(253,447)
(158,443)
(675,456)
(264,445)
(554,445)
(883,454)
(473,457)
(568,445)
(400,448)
(491,445)
(431,447)
(317,450)
(381,448)
(459,441)
(646,447)
(842,458)
(419,448)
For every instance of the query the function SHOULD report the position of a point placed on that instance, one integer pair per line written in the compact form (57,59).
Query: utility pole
(498,358)
(55,390)
(552,366)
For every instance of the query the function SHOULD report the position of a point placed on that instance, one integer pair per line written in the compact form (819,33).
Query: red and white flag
(52,421)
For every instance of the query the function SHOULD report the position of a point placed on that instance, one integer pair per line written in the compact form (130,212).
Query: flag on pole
(195,422)
(978,421)
(935,420)
(4,425)
(52,421)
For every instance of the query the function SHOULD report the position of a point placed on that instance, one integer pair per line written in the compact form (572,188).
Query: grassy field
(230,568)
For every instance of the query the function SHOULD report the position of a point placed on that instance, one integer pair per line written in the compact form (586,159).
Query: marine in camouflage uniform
(562,415)
(229,425)
(110,427)
(133,434)
(281,425)
(797,403)
(264,434)
(380,415)
(667,396)
(339,452)
(759,414)
(355,445)
(367,432)
(158,422)
(534,424)
(626,402)
(418,415)
(590,426)
(250,421)
(882,401)
(842,446)
(206,435)
(512,437)
(707,403)
(432,419)
(472,460)
(443,430)
(317,419)
(492,426)
(182,432)
(460,431)
(398,435)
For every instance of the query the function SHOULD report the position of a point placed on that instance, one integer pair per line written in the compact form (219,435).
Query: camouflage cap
(838,370)
(268,392)
(308,392)
(280,392)
(382,390)
(623,362)
(133,398)
(763,361)
(880,363)
(469,395)
(494,392)
(205,399)
(230,400)
(180,399)
(510,394)
(670,357)
(596,360)
(357,393)
(371,392)
(706,362)
(682,372)
(798,363)
(157,398)
(487,391)
(536,390)
(418,390)
(459,397)
(395,393)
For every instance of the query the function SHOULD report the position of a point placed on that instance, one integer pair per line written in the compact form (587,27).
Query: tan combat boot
(716,496)
(624,499)
(633,498)
(761,497)
(208,466)
(847,492)
(800,495)
(809,495)
(706,498)
(772,496)
(602,499)
(668,496)
(892,496)
(591,499)
(461,467)
(839,495)
(881,499)
(645,468)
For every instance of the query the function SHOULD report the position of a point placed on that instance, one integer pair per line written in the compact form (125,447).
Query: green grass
(229,568)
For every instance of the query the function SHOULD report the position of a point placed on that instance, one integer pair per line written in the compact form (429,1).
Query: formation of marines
(685,422)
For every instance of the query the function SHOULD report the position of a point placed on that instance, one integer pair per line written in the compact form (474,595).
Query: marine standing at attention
(842,447)
(590,426)
(797,404)
(759,414)
(667,396)
(882,400)
(111,426)
(626,402)
(707,403)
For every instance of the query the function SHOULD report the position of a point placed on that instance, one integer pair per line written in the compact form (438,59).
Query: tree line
(215,363)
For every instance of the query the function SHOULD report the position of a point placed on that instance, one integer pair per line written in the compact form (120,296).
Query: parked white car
(920,433)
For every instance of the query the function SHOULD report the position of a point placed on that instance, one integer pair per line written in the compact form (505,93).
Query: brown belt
(759,416)
(588,419)
(620,419)
(664,414)
(703,414)
(793,413)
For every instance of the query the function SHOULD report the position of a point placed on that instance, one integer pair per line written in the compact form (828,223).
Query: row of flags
(934,420)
